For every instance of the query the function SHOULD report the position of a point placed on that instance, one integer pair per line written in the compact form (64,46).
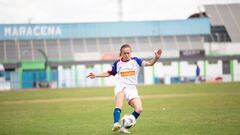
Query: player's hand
(91,75)
(158,53)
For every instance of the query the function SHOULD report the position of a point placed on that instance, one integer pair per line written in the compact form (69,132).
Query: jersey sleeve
(114,69)
(138,60)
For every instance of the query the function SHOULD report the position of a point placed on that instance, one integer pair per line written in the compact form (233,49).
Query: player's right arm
(101,75)
(105,74)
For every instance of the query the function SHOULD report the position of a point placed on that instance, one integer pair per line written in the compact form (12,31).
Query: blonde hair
(124,46)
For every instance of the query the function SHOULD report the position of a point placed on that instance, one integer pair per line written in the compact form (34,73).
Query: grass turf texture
(181,109)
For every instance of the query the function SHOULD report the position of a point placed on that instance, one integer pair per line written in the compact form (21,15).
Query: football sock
(135,114)
(116,114)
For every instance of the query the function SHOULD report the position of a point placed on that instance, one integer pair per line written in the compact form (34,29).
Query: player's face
(126,53)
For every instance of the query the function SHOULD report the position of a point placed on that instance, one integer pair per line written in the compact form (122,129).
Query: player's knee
(118,106)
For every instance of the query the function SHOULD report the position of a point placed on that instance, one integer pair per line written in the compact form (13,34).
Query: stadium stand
(55,49)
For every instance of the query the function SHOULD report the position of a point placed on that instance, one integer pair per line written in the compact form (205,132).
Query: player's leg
(132,97)
(197,80)
(135,101)
(119,98)
(137,105)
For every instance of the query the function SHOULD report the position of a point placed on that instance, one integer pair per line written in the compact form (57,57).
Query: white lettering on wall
(32,31)
(7,31)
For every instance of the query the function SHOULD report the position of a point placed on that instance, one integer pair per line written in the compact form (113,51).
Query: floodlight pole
(120,10)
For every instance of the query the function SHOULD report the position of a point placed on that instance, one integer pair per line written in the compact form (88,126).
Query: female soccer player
(126,71)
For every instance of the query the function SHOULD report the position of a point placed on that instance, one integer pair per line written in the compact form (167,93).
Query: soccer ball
(128,121)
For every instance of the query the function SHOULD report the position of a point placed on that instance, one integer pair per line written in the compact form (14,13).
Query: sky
(76,11)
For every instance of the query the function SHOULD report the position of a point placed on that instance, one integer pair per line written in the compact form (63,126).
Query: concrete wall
(75,76)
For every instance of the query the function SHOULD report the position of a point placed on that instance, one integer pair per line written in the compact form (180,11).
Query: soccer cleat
(116,127)
(124,130)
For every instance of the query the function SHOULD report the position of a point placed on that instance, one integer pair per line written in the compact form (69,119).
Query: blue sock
(135,114)
(116,114)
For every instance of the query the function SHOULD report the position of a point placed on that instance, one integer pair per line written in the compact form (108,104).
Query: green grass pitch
(180,109)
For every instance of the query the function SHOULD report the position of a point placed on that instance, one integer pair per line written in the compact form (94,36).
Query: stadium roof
(226,15)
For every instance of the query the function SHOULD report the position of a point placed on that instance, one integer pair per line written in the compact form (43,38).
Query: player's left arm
(151,62)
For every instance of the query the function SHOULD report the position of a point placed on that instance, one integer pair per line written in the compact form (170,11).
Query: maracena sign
(32,31)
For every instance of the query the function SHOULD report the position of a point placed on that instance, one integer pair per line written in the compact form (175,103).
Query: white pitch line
(107,98)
